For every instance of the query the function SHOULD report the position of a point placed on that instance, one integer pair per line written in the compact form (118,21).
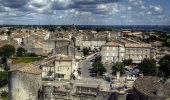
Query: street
(85,65)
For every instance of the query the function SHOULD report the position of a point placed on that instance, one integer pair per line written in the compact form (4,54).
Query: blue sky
(85,12)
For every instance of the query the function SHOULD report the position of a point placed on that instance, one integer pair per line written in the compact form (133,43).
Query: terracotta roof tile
(27,68)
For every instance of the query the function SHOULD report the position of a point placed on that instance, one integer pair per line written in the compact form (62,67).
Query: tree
(165,66)
(51,29)
(3,78)
(7,50)
(99,68)
(118,67)
(167,43)
(21,52)
(127,62)
(85,51)
(64,27)
(31,55)
(4,94)
(148,67)
(2,32)
(8,33)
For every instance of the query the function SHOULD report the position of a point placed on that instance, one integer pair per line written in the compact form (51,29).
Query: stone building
(151,88)
(76,90)
(90,39)
(93,42)
(58,67)
(136,51)
(125,49)
(63,67)
(66,50)
(24,82)
(4,37)
(112,52)
(43,47)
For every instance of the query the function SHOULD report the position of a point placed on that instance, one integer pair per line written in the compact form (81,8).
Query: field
(16,60)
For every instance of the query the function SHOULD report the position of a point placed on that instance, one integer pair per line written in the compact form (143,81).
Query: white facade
(3,37)
(19,40)
(93,44)
(112,54)
(63,69)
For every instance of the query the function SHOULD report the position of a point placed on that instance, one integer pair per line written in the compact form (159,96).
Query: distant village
(69,63)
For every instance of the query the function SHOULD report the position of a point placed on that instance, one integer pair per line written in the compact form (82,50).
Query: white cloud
(136,2)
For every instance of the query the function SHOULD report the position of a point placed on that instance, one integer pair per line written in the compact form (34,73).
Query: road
(85,65)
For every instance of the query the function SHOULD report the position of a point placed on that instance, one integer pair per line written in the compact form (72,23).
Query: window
(107,54)
(113,54)
(122,54)
(107,48)
(113,48)
(59,68)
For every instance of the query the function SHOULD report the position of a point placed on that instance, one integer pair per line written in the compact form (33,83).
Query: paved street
(85,65)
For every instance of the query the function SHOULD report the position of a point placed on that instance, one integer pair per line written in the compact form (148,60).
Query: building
(121,49)
(130,33)
(59,67)
(85,89)
(151,88)
(18,38)
(90,40)
(93,42)
(112,52)
(3,37)
(63,67)
(136,51)
(24,82)
(66,50)
(9,42)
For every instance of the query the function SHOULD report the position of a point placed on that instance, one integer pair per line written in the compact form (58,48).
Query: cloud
(136,2)
(81,11)
(14,3)
(156,9)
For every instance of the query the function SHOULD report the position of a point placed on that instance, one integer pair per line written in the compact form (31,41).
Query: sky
(85,12)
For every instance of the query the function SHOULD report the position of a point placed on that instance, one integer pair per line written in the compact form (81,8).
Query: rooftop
(153,86)
(113,43)
(27,68)
(63,57)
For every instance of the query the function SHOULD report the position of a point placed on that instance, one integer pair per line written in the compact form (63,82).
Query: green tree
(99,68)
(8,33)
(4,95)
(118,67)
(127,62)
(165,66)
(21,52)
(2,32)
(148,67)
(31,55)
(86,51)
(7,50)
(167,43)
(3,78)
(64,27)
(51,29)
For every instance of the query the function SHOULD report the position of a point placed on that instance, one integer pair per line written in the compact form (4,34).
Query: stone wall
(24,86)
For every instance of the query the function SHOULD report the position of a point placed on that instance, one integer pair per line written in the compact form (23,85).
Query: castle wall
(24,86)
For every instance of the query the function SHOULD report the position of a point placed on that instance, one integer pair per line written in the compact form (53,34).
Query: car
(83,58)
(92,60)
